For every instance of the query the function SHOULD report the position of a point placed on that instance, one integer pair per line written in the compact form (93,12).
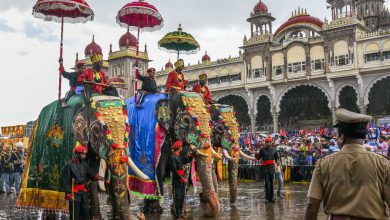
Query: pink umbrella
(140,16)
(68,11)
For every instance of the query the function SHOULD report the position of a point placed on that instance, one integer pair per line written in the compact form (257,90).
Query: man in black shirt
(179,180)
(75,177)
(72,77)
(268,156)
(148,85)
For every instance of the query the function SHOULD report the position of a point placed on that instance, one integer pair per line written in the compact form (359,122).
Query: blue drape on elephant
(50,146)
(145,140)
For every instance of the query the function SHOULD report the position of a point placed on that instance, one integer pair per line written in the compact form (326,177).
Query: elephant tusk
(102,172)
(197,152)
(136,170)
(246,157)
(227,156)
(215,154)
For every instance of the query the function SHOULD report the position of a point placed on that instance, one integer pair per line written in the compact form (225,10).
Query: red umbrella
(68,11)
(140,16)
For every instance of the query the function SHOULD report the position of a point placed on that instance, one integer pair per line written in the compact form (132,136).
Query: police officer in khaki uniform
(353,184)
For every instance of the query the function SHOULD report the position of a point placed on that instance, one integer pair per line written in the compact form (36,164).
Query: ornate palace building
(292,76)
(299,74)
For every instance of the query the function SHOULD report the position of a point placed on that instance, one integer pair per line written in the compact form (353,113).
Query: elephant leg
(95,204)
(209,198)
(233,170)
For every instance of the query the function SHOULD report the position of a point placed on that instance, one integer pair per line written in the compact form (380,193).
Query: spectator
(383,147)
(333,147)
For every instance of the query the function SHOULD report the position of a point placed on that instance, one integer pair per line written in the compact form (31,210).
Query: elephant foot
(152,207)
(211,204)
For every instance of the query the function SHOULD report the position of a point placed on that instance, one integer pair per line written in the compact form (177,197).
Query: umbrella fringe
(66,19)
(189,52)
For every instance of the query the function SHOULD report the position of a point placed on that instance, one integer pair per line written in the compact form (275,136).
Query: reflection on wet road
(250,204)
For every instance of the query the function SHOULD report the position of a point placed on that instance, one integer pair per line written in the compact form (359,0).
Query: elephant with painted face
(154,127)
(225,136)
(103,127)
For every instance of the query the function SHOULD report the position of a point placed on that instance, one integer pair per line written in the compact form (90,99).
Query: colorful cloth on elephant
(50,146)
(144,148)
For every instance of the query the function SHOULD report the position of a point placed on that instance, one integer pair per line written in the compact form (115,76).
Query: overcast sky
(29,47)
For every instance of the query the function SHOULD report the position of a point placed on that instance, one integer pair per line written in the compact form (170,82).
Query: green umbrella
(179,42)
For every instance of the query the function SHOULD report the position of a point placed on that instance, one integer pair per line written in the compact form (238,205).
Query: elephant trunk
(227,156)
(233,170)
(211,205)
(136,170)
(246,157)
(102,172)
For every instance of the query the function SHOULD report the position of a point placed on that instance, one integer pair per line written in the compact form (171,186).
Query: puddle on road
(250,205)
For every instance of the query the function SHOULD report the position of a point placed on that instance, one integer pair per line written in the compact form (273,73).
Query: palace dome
(205,57)
(92,48)
(127,40)
(300,19)
(168,65)
(260,8)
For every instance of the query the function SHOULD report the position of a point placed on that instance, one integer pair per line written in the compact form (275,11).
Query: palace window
(342,60)
(371,57)
(214,81)
(386,55)
(278,70)
(257,73)
(317,64)
(235,77)
(296,67)
(224,79)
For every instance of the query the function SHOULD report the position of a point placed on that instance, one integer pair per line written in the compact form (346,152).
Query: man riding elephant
(203,89)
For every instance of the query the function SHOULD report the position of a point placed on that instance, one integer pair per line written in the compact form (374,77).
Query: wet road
(250,204)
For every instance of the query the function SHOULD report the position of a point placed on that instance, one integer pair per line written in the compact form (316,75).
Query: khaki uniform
(353,182)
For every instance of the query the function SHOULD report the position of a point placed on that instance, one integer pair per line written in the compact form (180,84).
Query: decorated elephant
(225,137)
(101,126)
(154,127)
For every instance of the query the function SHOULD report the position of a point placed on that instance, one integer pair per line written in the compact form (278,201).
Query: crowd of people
(306,149)
(12,159)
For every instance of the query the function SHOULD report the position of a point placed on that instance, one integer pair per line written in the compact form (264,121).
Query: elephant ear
(184,128)
(163,114)
(98,141)
(79,127)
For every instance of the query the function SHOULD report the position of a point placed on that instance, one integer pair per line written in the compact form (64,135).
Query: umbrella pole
(61,51)
(136,70)
(178,54)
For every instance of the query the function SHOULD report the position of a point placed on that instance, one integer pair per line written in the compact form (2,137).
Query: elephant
(101,126)
(183,116)
(225,136)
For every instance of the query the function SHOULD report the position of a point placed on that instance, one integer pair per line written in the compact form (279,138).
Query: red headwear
(150,70)
(177,145)
(80,149)
(80,63)
(268,140)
